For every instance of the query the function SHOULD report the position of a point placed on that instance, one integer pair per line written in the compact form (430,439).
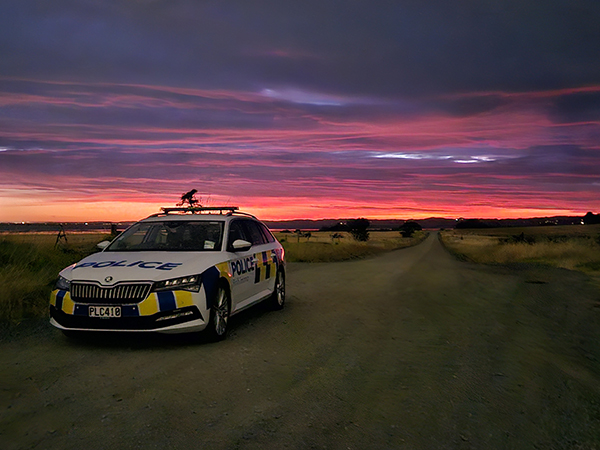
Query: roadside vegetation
(574,247)
(29,266)
(325,246)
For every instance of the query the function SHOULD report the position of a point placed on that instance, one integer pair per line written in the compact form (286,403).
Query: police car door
(241,266)
(264,269)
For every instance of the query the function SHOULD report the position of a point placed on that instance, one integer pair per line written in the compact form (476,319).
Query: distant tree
(590,218)
(358,229)
(408,228)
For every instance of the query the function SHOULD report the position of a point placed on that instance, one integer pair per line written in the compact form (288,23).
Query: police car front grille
(122,293)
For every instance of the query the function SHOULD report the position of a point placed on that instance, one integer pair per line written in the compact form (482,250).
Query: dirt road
(411,349)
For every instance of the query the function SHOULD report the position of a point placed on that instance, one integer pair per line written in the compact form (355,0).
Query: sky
(299,109)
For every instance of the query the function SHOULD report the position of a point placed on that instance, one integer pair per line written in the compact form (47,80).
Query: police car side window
(266,233)
(254,232)
(236,231)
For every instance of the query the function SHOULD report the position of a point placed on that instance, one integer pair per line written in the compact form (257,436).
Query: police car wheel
(219,315)
(278,297)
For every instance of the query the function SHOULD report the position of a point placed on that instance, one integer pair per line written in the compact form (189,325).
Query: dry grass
(29,265)
(574,247)
(321,247)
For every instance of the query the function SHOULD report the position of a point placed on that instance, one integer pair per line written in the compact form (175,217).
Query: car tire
(277,299)
(72,334)
(219,315)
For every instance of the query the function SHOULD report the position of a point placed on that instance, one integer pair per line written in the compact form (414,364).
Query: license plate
(104,311)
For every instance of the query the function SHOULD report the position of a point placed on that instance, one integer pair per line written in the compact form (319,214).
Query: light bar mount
(200,209)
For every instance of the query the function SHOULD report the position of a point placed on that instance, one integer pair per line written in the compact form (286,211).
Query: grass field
(322,247)
(574,247)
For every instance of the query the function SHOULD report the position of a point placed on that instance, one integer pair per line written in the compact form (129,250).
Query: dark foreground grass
(29,268)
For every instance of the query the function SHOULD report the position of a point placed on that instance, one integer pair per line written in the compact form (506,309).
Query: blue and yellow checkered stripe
(266,266)
(154,303)
(61,300)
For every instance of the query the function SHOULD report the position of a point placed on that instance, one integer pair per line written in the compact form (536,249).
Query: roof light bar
(200,209)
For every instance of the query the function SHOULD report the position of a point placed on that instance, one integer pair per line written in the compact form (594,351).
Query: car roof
(198,214)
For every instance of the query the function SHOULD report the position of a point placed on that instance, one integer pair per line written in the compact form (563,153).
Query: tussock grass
(320,247)
(29,265)
(573,247)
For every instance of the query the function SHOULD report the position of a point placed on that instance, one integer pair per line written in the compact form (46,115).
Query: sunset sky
(299,109)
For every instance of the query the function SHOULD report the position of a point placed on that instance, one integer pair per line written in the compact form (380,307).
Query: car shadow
(149,340)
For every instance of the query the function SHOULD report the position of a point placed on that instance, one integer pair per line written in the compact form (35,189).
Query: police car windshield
(176,235)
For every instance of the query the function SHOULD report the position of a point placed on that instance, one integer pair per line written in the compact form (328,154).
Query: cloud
(459,156)
(303,97)
(577,107)
(396,49)
(395,106)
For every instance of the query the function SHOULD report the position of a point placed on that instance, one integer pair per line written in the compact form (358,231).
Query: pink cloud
(120,143)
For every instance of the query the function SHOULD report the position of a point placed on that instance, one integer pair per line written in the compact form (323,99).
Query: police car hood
(115,267)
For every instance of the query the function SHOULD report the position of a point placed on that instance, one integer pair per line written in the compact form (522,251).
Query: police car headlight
(62,283)
(189,283)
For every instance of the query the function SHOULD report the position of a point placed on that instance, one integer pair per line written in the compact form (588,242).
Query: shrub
(358,229)
(408,228)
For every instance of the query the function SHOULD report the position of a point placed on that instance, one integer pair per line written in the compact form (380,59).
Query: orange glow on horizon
(271,210)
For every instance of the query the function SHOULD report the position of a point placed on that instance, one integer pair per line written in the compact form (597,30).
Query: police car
(181,270)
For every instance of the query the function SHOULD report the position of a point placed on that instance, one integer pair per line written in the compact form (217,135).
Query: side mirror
(102,245)
(241,245)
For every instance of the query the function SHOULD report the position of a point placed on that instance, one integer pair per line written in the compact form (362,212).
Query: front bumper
(169,312)
(175,321)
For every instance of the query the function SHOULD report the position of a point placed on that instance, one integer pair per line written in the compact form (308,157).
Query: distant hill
(431,223)
(531,222)
(51,227)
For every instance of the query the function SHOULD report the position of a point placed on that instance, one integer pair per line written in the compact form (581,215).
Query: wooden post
(61,235)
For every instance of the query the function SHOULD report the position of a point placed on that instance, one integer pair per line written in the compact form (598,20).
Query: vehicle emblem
(108,279)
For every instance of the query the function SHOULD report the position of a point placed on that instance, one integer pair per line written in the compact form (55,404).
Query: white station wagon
(181,270)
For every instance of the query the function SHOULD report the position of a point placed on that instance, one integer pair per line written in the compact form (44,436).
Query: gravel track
(411,349)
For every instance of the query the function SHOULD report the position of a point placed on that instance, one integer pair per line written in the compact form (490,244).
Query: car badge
(108,279)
